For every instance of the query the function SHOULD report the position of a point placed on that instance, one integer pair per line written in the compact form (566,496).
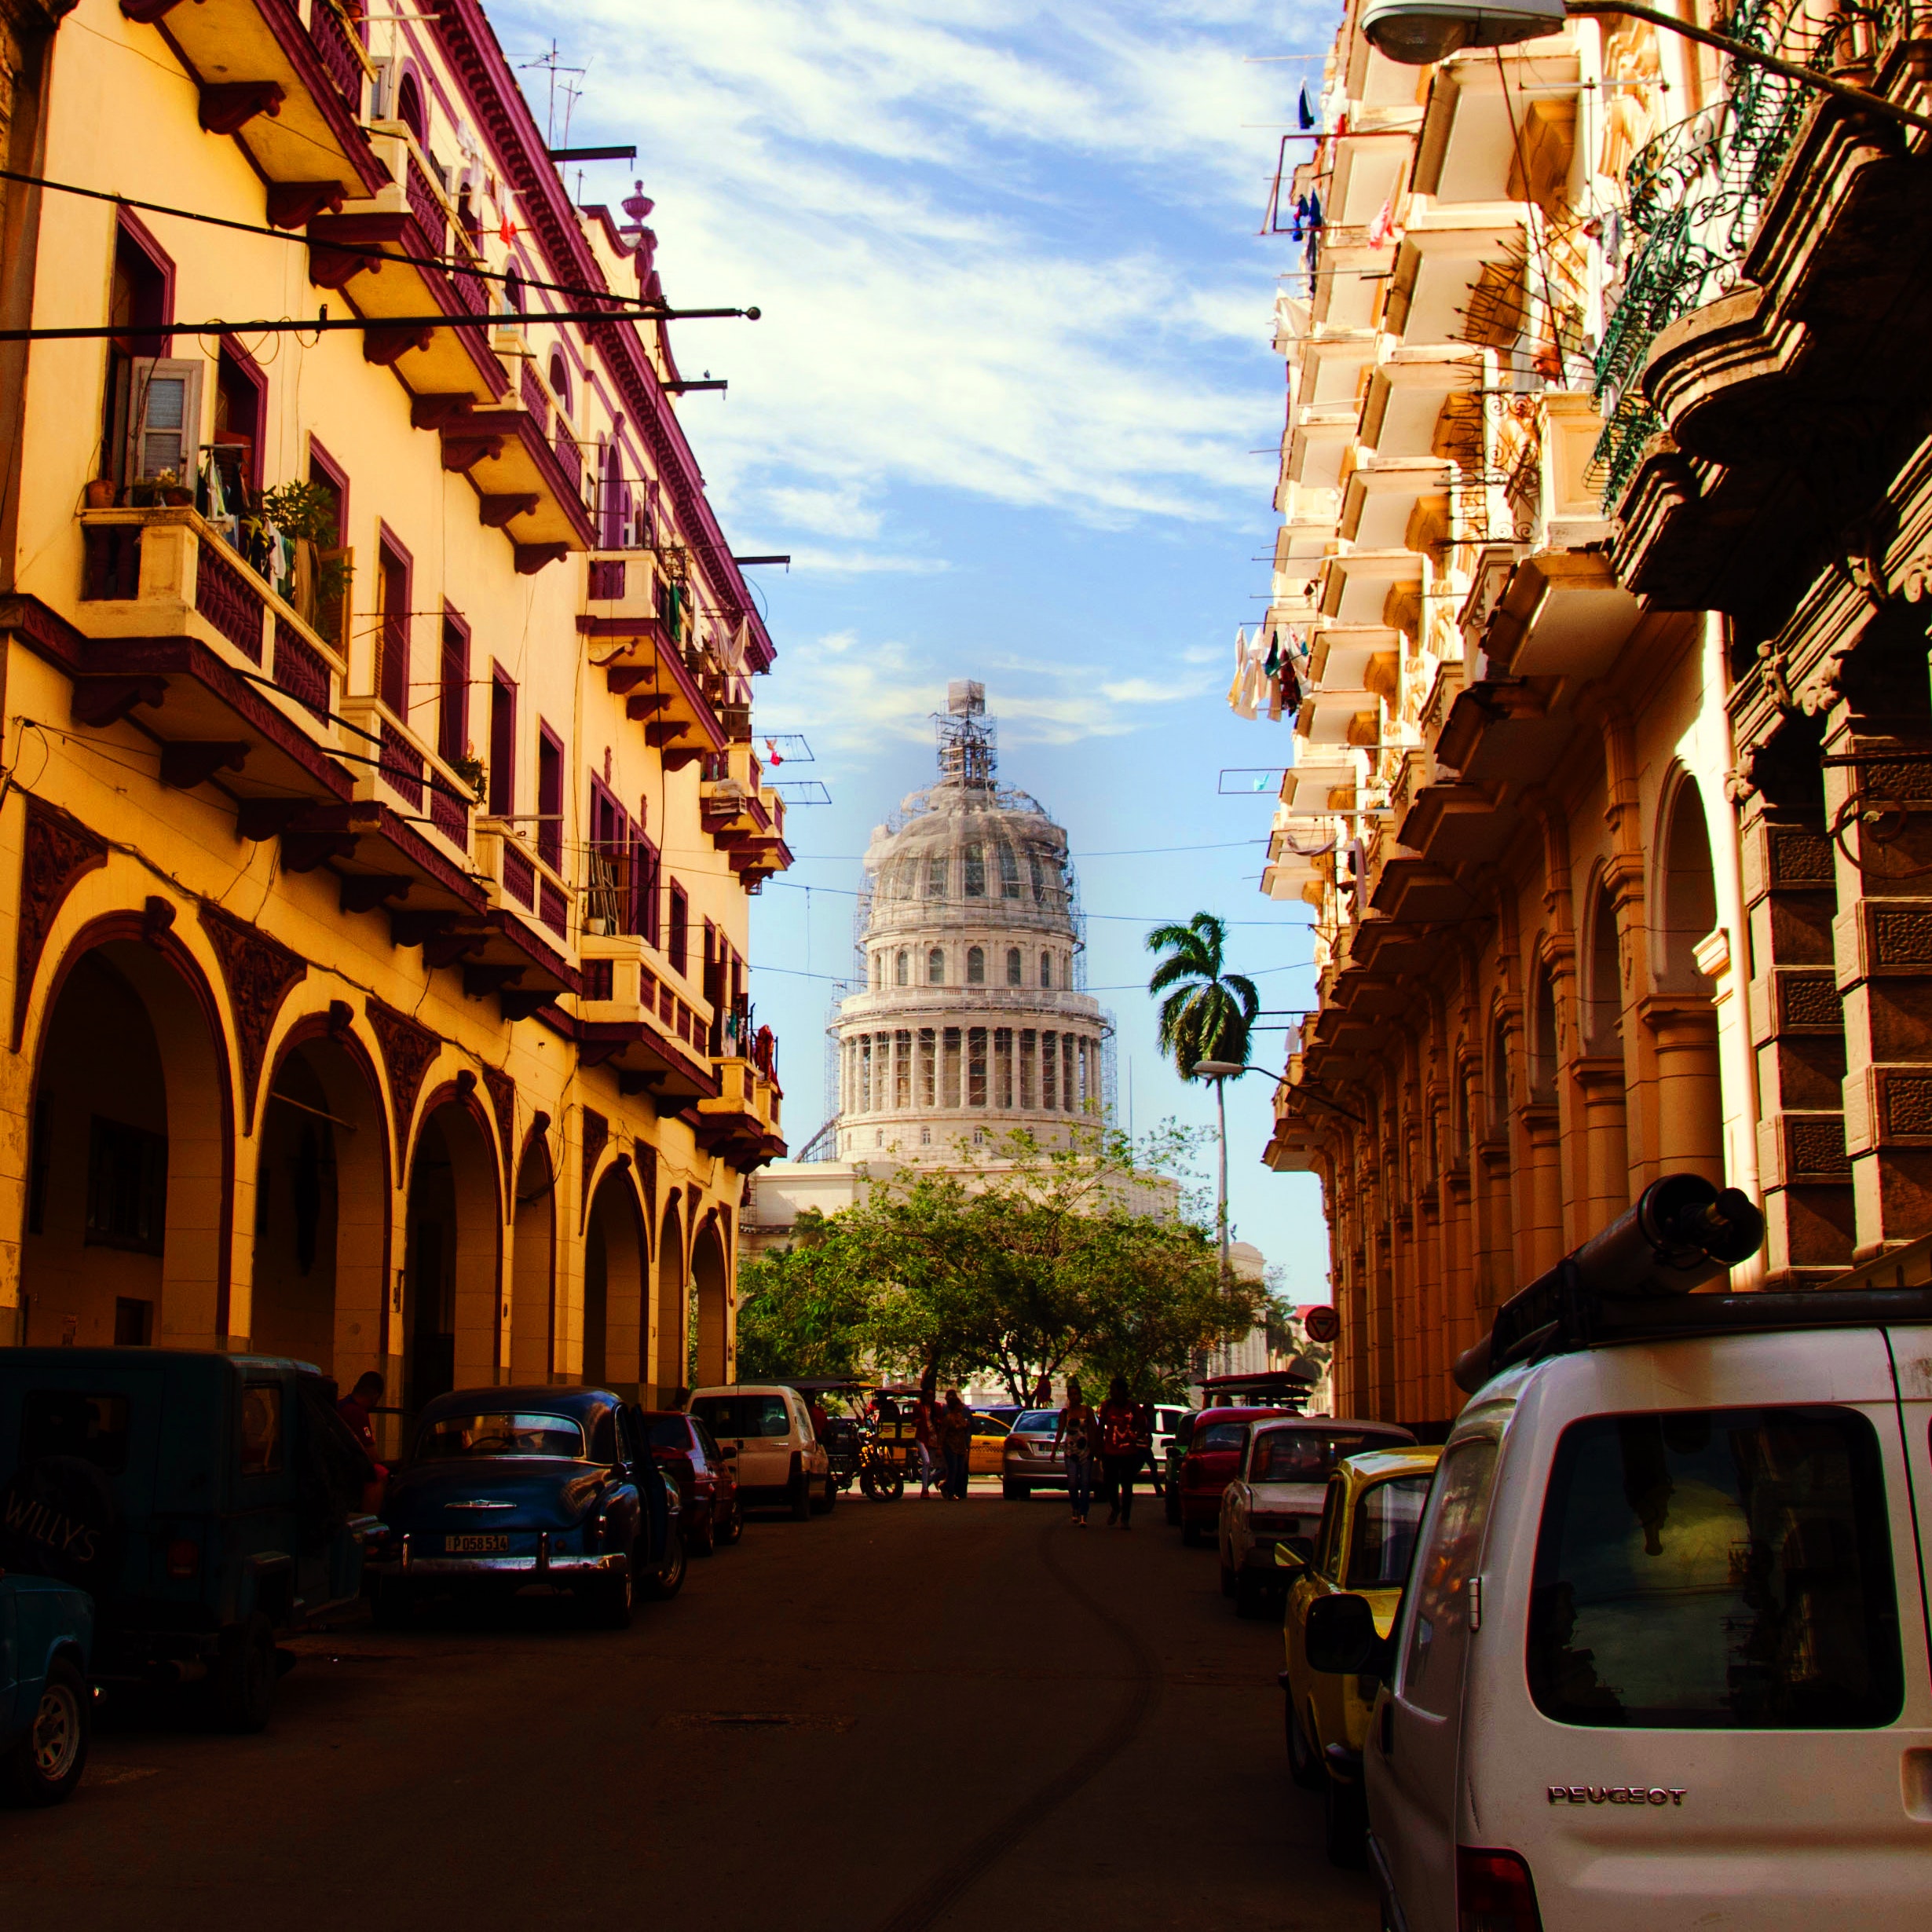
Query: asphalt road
(906,1715)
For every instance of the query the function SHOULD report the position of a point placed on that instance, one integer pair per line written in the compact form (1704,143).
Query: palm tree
(1206,1016)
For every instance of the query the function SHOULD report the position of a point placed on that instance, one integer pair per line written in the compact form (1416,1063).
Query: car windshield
(670,1431)
(988,1425)
(1164,1419)
(1219,1436)
(740,1416)
(1386,1519)
(1300,1455)
(1039,1421)
(499,1432)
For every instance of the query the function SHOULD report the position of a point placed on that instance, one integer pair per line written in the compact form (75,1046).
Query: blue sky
(1002,409)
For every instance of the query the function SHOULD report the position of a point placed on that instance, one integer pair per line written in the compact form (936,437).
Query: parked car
(1663,1656)
(1215,1446)
(767,1430)
(1171,1452)
(1029,1460)
(206,1502)
(1275,1499)
(506,1488)
(1363,1542)
(1160,1457)
(46,1706)
(708,1488)
(989,1450)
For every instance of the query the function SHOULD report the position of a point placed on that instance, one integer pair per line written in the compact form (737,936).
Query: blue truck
(46,1637)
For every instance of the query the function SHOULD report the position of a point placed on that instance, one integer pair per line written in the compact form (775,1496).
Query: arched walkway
(453,1260)
(130,1171)
(534,1356)
(322,1209)
(1689,1102)
(615,1317)
(672,1362)
(710,1361)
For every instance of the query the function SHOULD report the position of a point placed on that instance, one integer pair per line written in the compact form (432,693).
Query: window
(1438,1633)
(452,696)
(1327,1557)
(336,575)
(1032,868)
(734,1417)
(975,966)
(409,110)
(238,417)
(163,419)
(513,290)
(976,871)
(935,876)
(133,1322)
(1046,969)
(1221,1436)
(560,379)
(650,916)
(1009,873)
(66,1422)
(392,674)
(1385,1521)
(1302,1455)
(500,1433)
(503,745)
(604,1437)
(1015,976)
(262,1429)
(549,798)
(127,1187)
(902,968)
(925,1136)
(935,967)
(142,297)
(1716,1568)
(677,952)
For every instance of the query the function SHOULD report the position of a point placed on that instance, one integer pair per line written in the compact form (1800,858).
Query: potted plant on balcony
(101,492)
(317,576)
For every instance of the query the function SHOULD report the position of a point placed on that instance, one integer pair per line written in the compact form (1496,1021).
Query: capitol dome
(972,1022)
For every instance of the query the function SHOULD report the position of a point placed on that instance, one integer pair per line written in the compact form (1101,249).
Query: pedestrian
(1077,1427)
(358,1409)
(1043,1392)
(956,1446)
(923,1436)
(1123,1444)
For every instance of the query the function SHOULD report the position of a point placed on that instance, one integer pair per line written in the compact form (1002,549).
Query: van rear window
(67,1422)
(1717,1569)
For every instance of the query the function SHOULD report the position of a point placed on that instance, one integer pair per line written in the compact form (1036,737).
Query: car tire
(1344,1825)
(45,1767)
(799,1494)
(822,1503)
(664,1582)
(1192,1534)
(241,1684)
(613,1600)
(1015,1492)
(735,1527)
(1304,1766)
(393,1607)
(701,1542)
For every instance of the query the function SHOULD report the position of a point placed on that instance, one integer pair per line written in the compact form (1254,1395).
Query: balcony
(401,768)
(631,1018)
(407,214)
(1447,253)
(664,687)
(742,816)
(1563,615)
(290,94)
(623,598)
(1408,393)
(1373,587)
(1486,112)
(740,1124)
(524,487)
(1381,498)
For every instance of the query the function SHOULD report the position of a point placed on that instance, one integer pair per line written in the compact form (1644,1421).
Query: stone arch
(673,1262)
(445,1315)
(616,1267)
(1682,1016)
(128,1228)
(1544,1045)
(1603,972)
(711,1276)
(323,1205)
(534,1355)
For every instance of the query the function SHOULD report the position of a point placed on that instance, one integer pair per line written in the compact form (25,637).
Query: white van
(1662,1660)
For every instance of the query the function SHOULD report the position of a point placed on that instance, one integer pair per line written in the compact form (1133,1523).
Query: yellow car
(1369,1517)
(989,1449)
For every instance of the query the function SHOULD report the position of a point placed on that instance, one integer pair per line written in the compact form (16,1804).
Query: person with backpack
(1123,1444)
(1079,1427)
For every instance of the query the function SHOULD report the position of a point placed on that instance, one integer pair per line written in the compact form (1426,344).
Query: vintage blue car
(46,1635)
(506,1488)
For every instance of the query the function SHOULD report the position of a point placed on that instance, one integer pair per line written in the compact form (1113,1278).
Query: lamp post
(1220,1072)
(1416,32)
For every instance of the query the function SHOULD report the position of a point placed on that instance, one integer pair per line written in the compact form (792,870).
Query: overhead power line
(325,323)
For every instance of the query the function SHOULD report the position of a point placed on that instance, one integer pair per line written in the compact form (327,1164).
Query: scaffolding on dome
(969,743)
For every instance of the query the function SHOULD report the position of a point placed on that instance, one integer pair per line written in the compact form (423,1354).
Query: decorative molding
(407,1052)
(596,1137)
(503,1092)
(259,973)
(58,852)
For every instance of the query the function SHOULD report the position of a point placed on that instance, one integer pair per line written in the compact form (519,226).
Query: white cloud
(858,563)
(827,512)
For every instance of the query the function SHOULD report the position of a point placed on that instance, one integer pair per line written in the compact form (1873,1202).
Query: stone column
(1606,1169)
(1689,1102)
(1540,1190)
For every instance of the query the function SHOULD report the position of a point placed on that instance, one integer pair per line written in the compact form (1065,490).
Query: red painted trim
(129,224)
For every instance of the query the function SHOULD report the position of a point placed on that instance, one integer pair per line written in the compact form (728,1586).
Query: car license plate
(473,1546)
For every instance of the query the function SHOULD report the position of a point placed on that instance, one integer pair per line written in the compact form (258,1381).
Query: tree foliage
(1015,1261)
(1208,1012)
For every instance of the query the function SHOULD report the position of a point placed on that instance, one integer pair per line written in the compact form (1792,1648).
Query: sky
(1011,409)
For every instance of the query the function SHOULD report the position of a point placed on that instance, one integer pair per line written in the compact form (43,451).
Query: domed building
(972,1021)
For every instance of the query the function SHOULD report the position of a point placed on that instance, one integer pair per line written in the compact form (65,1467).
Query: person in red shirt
(1121,1447)
(358,1409)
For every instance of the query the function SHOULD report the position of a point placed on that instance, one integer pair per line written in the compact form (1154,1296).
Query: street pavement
(904,1716)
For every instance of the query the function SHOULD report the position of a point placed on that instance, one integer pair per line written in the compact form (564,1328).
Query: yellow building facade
(380,808)
(1584,912)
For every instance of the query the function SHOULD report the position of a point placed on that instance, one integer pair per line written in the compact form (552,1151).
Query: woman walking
(956,1446)
(1078,1428)
(1121,1446)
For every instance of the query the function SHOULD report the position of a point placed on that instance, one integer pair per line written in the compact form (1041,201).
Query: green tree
(801,1310)
(1209,1012)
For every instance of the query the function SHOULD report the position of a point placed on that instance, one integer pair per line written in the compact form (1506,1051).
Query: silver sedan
(1030,1461)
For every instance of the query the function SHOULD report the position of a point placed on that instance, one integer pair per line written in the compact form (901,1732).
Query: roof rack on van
(1634,1278)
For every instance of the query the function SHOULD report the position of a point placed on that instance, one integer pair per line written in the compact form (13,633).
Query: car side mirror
(1290,1559)
(729,1450)
(1342,1640)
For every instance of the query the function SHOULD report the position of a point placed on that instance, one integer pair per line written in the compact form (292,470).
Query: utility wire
(326,323)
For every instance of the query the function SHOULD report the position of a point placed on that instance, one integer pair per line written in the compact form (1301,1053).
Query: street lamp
(1415,32)
(1220,1072)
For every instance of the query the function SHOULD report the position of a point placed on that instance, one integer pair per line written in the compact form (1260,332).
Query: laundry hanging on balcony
(1271,673)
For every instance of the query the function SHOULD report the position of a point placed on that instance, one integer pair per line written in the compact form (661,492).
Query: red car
(1213,1458)
(708,1488)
